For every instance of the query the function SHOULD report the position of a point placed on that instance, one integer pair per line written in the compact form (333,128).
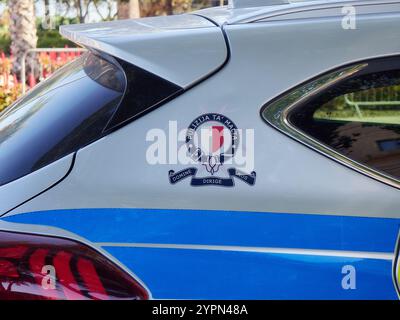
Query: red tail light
(38,267)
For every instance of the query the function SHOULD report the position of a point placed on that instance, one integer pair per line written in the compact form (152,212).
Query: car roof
(247,11)
(165,46)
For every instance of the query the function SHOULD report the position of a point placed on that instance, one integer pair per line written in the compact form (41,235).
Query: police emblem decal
(212,140)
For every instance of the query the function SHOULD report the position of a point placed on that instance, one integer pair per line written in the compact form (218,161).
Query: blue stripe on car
(202,274)
(195,274)
(252,229)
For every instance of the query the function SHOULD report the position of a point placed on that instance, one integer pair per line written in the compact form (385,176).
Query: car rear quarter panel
(301,199)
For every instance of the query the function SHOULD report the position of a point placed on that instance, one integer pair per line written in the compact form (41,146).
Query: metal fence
(46,50)
(387,96)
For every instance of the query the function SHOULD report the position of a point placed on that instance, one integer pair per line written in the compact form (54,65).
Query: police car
(250,151)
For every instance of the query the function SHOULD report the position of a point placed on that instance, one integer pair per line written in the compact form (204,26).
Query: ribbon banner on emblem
(175,177)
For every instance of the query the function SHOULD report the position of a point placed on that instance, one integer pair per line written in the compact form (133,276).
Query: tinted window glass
(62,114)
(359,117)
(145,91)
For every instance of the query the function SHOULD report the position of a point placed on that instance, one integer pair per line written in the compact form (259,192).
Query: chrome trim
(294,251)
(276,114)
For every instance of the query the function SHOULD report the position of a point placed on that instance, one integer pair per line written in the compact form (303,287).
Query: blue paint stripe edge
(226,228)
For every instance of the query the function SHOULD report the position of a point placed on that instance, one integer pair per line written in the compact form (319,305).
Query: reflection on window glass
(376,105)
(64,113)
(360,118)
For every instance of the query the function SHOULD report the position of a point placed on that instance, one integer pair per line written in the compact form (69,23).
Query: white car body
(288,232)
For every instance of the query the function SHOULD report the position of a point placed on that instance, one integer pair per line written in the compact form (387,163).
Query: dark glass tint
(145,91)
(359,117)
(59,116)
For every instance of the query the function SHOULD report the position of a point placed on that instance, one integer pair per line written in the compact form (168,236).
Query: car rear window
(60,115)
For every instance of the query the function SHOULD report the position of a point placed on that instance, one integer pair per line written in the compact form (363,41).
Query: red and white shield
(217,138)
